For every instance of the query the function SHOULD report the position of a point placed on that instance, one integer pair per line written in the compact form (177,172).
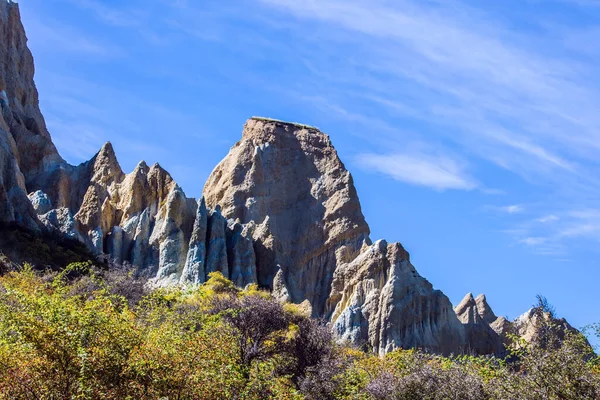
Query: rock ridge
(280,210)
(316,246)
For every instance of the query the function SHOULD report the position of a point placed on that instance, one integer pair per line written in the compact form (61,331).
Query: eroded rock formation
(485,332)
(380,300)
(288,180)
(527,325)
(25,145)
(142,218)
(280,210)
(312,242)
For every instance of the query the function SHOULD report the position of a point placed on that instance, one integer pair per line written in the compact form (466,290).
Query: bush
(81,334)
(43,250)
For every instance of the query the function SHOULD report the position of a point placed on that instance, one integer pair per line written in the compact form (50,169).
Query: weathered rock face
(527,325)
(142,218)
(290,178)
(488,334)
(194,270)
(312,242)
(381,300)
(477,317)
(20,98)
(241,257)
(25,145)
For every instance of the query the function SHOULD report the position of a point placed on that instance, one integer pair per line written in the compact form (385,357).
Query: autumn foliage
(81,334)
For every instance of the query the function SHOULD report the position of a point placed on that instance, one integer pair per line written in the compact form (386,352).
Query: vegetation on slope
(41,249)
(89,334)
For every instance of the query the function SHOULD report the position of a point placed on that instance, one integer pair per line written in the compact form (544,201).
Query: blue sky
(472,128)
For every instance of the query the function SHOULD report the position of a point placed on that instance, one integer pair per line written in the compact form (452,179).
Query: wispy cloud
(439,173)
(501,99)
(457,96)
(548,219)
(534,241)
(113,15)
(63,39)
(510,209)
(513,209)
(522,100)
(554,234)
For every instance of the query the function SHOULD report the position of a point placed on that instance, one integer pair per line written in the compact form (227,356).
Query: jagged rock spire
(194,271)
(484,310)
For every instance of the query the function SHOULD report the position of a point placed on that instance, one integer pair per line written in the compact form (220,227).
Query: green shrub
(78,334)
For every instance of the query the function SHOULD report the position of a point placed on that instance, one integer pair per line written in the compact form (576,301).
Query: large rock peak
(292,175)
(25,145)
(280,164)
(20,103)
(286,181)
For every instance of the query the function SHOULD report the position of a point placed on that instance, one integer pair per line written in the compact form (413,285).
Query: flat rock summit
(280,210)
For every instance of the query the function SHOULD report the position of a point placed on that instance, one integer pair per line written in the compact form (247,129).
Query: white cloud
(439,173)
(534,241)
(513,209)
(507,96)
(548,219)
(509,209)
(57,37)
(580,230)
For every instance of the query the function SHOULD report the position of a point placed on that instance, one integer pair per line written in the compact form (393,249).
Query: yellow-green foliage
(68,336)
(58,345)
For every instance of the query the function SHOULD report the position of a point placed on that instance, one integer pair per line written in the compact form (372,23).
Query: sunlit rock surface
(280,210)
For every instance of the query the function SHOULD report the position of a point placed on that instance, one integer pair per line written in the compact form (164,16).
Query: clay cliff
(142,218)
(280,210)
(312,241)
(25,145)
(485,332)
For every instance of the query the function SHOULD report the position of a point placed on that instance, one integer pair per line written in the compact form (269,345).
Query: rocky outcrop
(41,202)
(216,251)
(312,242)
(280,210)
(477,317)
(241,258)
(502,327)
(171,236)
(380,300)
(60,220)
(488,334)
(194,270)
(289,179)
(527,325)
